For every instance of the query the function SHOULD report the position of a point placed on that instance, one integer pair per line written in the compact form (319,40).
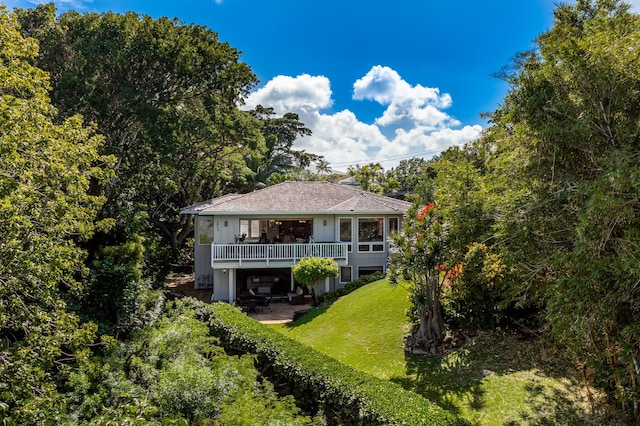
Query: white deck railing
(276,252)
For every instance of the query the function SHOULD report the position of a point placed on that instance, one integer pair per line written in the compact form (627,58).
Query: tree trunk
(430,332)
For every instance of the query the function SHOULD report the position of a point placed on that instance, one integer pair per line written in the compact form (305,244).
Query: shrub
(173,372)
(260,405)
(312,269)
(187,386)
(476,297)
(331,296)
(321,382)
(110,295)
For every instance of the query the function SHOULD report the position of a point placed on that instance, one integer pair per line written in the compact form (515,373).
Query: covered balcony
(274,255)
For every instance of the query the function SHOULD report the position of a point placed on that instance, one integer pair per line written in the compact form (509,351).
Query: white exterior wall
(324,233)
(226,227)
(203,274)
(221,284)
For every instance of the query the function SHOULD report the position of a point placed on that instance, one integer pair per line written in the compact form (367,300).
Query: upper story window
(346,231)
(370,234)
(205,229)
(249,229)
(394,224)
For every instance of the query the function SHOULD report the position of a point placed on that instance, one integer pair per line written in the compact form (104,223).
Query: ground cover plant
(331,296)
(174,372)
(496,378)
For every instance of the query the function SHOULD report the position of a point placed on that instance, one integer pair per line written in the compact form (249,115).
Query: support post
(232,286)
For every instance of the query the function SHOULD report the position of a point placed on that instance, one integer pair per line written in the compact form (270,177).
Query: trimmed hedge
(346,395)
(331,296)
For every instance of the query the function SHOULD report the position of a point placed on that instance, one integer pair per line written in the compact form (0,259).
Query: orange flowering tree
(419,259)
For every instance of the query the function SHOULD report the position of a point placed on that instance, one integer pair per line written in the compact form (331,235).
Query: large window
(370,234)
(275,230)
(368,270)
(346,233)
(205,229)
(249,229)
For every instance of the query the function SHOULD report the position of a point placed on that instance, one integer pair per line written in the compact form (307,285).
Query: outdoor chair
(297,298)
(264,302)
(252,305)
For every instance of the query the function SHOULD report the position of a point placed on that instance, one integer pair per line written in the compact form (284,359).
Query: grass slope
(367,336)
(495,379)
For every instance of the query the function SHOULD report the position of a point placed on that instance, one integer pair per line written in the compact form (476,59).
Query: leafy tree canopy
(268,166)
(165,95)
(573,108)
(46,170)
(545,203)
(312,269)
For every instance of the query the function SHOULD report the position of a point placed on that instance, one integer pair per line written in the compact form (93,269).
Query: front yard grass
(496,378)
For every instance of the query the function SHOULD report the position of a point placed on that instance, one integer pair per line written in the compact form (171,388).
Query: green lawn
(496,378)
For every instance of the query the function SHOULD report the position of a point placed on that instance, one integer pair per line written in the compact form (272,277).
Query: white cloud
(423,141)
(341,138)
(417,104)
(415,112)
(302,93)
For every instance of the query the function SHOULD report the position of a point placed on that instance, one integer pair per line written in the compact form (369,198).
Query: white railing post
(270,252)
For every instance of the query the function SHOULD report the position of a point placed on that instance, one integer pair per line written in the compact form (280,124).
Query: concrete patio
(276,313)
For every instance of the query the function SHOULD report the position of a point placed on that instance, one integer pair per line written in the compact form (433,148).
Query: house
(249,242)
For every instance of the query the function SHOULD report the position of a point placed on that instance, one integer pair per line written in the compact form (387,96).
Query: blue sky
(376,81)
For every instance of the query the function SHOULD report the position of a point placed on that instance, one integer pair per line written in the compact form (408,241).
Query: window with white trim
(394,224)
(346,231)
(370,234)
(249,228)
(345,274)
(368,270)
(205,229)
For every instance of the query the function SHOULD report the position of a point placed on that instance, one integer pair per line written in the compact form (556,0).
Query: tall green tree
(459,191)
(419,258)
(415,180)
(323,167)
(369,176)
(470,192)
(285,130)
(278,157)
(165,95)
(46,170)
(571,116)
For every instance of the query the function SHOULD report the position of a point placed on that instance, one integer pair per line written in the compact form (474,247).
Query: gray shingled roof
(301,197)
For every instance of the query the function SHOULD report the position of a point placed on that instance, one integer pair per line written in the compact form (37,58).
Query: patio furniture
(252,305)
(264,303)
(297,298)
(264,290)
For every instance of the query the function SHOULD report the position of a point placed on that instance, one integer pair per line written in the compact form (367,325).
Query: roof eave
(289,213)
